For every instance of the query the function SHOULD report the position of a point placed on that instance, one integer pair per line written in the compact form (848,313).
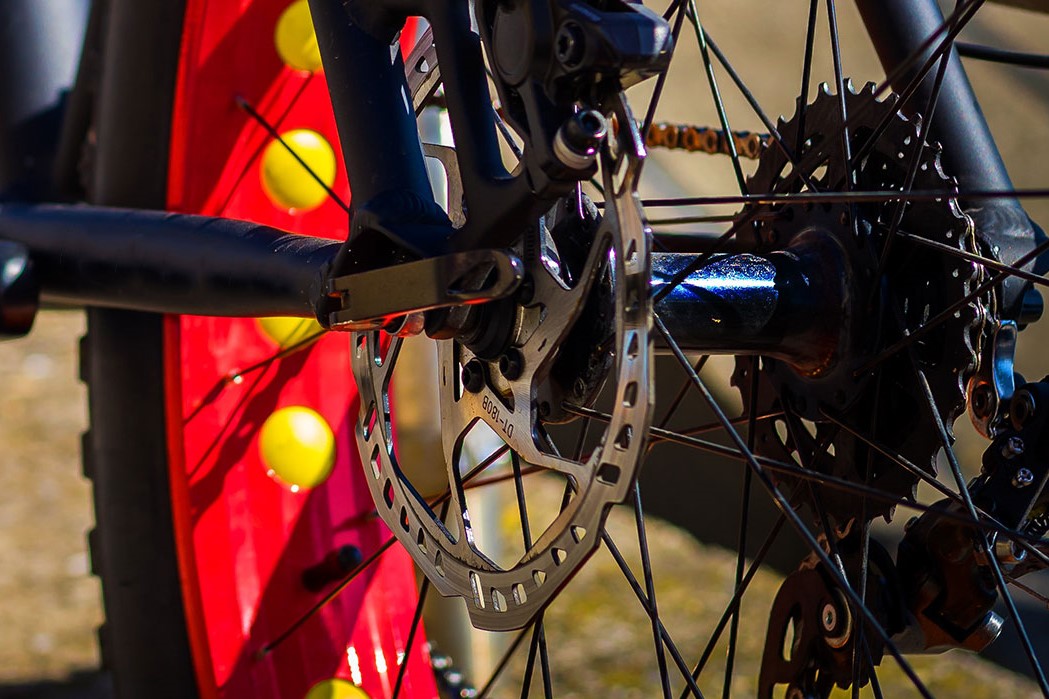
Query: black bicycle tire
(144,642)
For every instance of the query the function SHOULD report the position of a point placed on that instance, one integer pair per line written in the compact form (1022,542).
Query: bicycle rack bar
(168,263)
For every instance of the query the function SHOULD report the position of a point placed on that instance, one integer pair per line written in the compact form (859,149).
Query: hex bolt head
(1014,446)
(473,376)
(570,45)
(511,364)
(1023,478)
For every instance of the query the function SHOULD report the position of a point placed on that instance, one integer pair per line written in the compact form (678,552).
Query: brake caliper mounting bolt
(473,376)
(578,139)
(1023,478)
(511,364)
(1014,446)
(570,44)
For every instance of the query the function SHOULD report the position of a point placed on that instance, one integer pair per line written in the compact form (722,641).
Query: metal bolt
(1014,446)
(1023,478)
(1021,408)
(511,364)
(473,376)
(981,400)
(570,44)
(829,617)
(578,139)
(526,292)
(1008,553)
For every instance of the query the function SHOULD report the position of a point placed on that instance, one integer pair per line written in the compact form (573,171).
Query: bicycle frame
(82,256)
(91,256)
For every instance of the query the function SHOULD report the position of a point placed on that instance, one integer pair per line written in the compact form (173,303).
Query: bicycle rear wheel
(205,528)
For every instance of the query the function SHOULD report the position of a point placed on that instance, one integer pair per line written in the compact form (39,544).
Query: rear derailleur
(940,592)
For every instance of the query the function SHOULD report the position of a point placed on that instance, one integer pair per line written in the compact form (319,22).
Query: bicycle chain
(702,139)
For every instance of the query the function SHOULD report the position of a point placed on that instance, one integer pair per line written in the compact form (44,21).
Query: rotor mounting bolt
(829,617)
(1014,446)
(570,45)
(1023,478)
(511,364)
(473,376)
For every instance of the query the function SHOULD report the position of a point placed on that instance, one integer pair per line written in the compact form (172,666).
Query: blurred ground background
(49,603)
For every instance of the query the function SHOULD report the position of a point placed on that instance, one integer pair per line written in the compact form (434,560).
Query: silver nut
(1008,553)
(1023,478)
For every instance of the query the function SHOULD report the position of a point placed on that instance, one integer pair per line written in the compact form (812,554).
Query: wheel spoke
(991,559)
(792,516)
(978,259)
(367,562)
(744,519)
(326,600)
(839,78)
(650,591)
(719,103)
(272,131)
(650,114)
(827,481)
(806,73)
(912,168)
(663,633)
(737,596)
(424,590)
(237,376)
(954,24)
(539,638)
(682,392)
(913,336)
(855,197)
(774,135)
(504,660)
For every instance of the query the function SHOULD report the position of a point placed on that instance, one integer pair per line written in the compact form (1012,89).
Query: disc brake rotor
(475,389)
(827,407)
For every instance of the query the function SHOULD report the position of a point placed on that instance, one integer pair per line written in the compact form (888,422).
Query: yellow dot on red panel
(336,689)
(297,447)
(286,331)
(292,184)
(295,39)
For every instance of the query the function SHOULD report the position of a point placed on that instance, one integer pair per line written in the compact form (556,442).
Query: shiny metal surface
(776,305)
